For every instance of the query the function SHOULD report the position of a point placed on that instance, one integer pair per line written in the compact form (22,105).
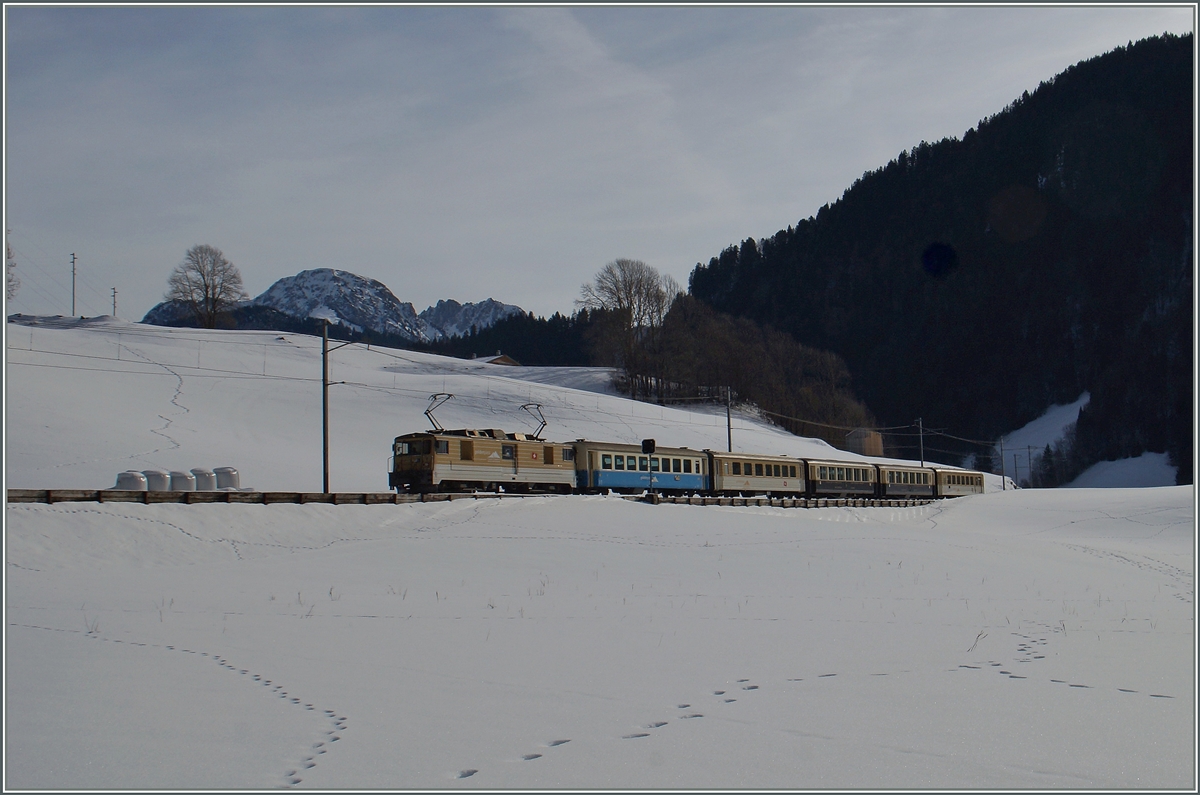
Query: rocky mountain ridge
(359,304)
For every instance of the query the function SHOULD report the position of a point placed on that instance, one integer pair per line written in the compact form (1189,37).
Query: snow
(1045,430)
(1017,639)
(1028,442)
(1148,469)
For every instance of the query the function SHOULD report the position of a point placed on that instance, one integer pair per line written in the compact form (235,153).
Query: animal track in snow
(291,777)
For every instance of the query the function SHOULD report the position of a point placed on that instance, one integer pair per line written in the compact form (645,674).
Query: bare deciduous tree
(207,283)
(636,299)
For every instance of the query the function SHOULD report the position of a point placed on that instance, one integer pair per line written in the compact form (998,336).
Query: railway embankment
(50,496)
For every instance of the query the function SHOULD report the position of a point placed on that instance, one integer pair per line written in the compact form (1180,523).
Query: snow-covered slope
(1023,446)
(1146,470)
(1037,640)
(174,398)
(1046,429)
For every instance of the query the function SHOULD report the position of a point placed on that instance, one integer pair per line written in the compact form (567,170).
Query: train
(491,460)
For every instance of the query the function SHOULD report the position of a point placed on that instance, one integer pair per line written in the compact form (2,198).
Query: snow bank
(1146,470)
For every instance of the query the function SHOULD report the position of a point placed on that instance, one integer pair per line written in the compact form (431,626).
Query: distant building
(865,442)
(500,358)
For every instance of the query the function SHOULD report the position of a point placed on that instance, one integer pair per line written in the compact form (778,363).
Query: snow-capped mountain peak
(346,298)
(453,319)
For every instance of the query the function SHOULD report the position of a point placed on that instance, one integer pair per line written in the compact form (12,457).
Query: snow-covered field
(1018,639)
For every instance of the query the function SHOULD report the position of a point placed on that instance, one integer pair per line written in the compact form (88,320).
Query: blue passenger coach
(625,468)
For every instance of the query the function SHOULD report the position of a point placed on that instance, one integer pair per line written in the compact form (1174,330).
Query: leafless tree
(207,283)
(636,299)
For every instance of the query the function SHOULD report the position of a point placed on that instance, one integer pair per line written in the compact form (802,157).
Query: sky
(477,152)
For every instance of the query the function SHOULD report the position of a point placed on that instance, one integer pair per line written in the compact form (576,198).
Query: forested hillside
(975,282)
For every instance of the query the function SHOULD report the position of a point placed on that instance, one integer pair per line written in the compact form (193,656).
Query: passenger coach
(630,468)
(748,474)
(841,478)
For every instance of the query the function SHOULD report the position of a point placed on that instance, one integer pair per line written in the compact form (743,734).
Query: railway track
(51,496)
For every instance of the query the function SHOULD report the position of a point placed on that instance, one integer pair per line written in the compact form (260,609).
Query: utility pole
(921,430)
(325,401)
(114,301)
(729,416)
(1003,482)
(325,405)
(72,284)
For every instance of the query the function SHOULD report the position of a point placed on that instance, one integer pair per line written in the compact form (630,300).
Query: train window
(443,445)
(643,464)
(606,461)
(758,470)
(792,469)
(620,462)
(821,472)
(548,455)
(737,467)
(776,467)
(416,447)
(568,454)
(687,465)
(676,465)
(654,465)
(466,451)
(508,451)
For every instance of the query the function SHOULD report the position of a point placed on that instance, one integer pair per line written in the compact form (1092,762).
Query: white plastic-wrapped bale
(206,479)
(183,481)
(157,480)
(131,481)
(227,478)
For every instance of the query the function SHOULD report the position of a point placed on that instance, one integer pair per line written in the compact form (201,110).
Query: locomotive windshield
(414,447)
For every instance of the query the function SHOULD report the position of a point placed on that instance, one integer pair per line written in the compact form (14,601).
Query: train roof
(478,433)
